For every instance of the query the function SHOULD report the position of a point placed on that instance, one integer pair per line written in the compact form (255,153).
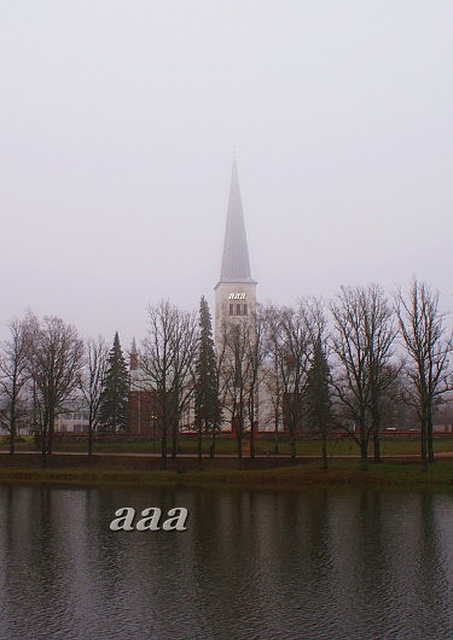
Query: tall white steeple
(236,289)
(235,261)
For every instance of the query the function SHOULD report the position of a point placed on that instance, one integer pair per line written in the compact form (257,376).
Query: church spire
(235,260)
(235,293)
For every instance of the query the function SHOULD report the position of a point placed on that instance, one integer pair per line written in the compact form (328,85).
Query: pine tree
(207,402)
(319,405)
(115,392)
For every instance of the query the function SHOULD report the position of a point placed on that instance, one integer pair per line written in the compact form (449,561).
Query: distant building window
(238,309)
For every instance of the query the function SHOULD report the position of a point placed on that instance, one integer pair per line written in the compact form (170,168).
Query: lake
(358,565)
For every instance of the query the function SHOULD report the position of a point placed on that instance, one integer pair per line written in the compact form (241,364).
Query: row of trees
(314,368)
(45,368)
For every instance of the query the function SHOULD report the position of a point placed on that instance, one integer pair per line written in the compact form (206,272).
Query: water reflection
(252,565)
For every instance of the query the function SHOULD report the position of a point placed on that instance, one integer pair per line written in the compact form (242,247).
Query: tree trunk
(292,440)
(377,445)
(43,436)
(252,439)
(11,443)
(364,454)
(276,417)
(429,436)
(423,445)
(325,460)
(200,446)
(12,424)
(239,439)
(90,439)
(213,443)
(376,424)
(164,447)
(174,444)
(50,435)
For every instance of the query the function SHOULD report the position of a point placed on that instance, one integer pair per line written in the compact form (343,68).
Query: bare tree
(428,346)
(241,358)
(362,342)
(273,383)
(380,334)
(14,374)
(294,349)
(91,382)
(234,375)
(55,364)
(255,354)
(168,364)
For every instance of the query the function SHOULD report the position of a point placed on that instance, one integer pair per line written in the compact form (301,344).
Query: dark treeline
(356,364)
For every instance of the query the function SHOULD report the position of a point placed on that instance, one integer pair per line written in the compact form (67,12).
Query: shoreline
(267,473)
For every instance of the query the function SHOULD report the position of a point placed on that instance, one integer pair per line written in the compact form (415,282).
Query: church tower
(235,293)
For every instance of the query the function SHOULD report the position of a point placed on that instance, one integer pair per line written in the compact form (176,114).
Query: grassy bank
(264,446)
(303,476)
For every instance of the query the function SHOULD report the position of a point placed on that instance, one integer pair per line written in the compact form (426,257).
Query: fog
(118,126)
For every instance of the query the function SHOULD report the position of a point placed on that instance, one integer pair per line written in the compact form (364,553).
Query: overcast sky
(118,124)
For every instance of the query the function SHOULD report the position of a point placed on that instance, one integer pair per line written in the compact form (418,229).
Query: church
(235,305)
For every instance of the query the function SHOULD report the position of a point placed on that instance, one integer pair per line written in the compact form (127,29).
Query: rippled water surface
(251,566)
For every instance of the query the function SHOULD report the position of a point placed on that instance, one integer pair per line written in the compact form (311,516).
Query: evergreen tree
(319,406)
(207,402)
(115,392)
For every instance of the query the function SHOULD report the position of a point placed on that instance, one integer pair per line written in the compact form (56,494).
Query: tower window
(238,309)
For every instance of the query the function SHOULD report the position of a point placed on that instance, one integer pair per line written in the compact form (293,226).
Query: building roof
(235,260)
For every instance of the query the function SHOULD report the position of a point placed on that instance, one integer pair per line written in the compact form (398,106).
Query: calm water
(251,566)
